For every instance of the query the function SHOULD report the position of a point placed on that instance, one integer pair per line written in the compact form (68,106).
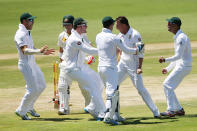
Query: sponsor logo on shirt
(63,39)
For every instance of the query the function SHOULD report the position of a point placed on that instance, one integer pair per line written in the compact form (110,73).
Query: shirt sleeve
(60,43)
(178,52)
(20,40)
(83,47)
(124,48)
(138,39)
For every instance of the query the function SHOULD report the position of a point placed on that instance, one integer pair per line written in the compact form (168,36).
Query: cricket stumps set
(55,84)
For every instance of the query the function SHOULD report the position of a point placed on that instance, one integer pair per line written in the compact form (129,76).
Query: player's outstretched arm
(44,50)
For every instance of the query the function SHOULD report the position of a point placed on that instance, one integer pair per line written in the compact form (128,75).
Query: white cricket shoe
(63,112)
(108,120)
(23,117)
(92,112)
(156,114)
(118,118)
(33,113)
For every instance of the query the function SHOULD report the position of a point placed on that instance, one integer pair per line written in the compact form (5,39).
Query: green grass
(147,16)
(138,118)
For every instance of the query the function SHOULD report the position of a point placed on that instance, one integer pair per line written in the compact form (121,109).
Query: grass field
(147,16)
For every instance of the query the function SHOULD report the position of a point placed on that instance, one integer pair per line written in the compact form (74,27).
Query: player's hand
(164,71)
(44,48)
(49,51)
(161,59)
(139,71)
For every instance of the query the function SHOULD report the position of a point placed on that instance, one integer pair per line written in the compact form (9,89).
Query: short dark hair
(123,20)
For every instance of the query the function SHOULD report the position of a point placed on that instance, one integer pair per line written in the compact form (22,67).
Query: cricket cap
(107,21)
(175,20)
(68,19)
(26,16)
(79,21)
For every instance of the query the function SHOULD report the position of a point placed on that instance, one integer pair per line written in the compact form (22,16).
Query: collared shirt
(73,52)
(22,38)
(182,50)
(107,43)
(130,39)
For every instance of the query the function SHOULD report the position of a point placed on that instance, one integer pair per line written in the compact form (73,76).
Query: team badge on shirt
(129,37)
(63,39)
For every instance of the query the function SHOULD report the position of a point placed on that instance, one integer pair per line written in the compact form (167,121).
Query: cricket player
(64,87)
(107,44)
(72,66)
(35,82)
(64,80)
(131,64)
(181,63)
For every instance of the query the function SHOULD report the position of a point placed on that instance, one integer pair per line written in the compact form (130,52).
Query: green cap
(68,19)
(175,20)
(25,16)
(107,21)
(79,21)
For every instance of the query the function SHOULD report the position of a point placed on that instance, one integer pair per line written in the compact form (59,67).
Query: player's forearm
(29,51)
(140,63)
(60,52)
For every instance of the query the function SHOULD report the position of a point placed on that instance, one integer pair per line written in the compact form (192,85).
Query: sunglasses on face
(31,20)
(83,25)
(170,23)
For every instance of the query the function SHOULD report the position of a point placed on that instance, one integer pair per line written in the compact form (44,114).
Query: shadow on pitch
(142,120)
(56,119)
(189,115)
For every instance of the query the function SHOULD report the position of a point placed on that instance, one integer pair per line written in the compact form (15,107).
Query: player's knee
(167,87)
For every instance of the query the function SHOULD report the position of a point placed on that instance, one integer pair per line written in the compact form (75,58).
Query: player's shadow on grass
(78,113)
(142,120)
(56,119)
(190,115)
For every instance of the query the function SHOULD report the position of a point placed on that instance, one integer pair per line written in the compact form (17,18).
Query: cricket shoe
(101,116)
(118,118)
(168,113)
(108,120)
(23,117)
(180,112)
(63,112)
(156,114)
(92,113)
(33,113)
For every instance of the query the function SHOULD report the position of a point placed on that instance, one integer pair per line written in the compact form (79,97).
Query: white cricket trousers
(87,82)
(98,84)
(35,84)
(110,79)
(171,83)
(137,81)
